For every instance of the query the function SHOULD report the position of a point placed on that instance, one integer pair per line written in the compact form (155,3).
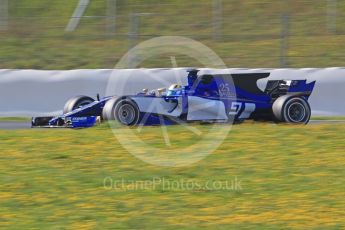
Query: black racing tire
(76,102)
(124,111)
(291,109)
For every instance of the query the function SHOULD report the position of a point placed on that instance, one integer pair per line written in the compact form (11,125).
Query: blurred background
(70,34)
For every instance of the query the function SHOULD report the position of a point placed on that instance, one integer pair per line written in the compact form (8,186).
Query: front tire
(76,102)
(291,109)
(125,111)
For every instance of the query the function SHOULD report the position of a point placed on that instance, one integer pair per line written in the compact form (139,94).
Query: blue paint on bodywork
(91,110)
(301,86)
(83,122)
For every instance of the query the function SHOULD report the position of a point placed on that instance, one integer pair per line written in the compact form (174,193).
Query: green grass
(329,118)
(24,119)
(292,177)
(252,30)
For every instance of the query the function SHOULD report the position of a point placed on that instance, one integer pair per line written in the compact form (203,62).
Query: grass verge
(335,118)
(15,119)
(291,177)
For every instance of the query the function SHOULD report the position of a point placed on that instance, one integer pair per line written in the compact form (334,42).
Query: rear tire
(125,111)
(77,102)
(291,109)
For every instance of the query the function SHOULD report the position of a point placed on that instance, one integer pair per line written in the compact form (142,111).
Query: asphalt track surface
(15,125)
(11,125)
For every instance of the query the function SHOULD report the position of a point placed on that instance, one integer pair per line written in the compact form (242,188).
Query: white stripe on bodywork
(158,105)
(205,109)
(249,108)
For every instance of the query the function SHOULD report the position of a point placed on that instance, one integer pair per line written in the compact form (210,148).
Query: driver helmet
(174,89)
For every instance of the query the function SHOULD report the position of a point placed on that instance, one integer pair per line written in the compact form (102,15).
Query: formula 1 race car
(209,98)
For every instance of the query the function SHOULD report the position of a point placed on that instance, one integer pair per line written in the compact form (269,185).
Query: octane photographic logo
(167,145)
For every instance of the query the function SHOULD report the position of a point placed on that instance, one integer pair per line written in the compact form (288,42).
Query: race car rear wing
(277,88)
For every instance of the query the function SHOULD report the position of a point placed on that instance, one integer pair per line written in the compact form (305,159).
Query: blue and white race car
(209,98)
